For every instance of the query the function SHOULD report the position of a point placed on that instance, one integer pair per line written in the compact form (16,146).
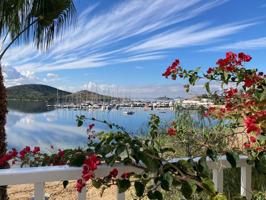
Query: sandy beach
(55,191)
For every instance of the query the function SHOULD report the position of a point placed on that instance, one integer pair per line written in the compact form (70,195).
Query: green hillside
(34,92)
(85,95)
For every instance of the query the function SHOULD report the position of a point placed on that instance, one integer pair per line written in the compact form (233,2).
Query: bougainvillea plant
(244,109)
(244,93)
(244,105)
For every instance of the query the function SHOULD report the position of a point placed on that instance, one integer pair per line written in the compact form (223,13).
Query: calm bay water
(32,124)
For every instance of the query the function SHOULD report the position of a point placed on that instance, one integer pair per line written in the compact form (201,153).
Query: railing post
(82,194)
(39,191)
(246,181)
(120,196)
(218,179)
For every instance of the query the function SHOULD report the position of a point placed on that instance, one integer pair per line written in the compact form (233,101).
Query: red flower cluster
(80,184)
(244,57)
(92,162)
(113,173)
(24,151)
(60,153)
(91,126)
(251,125)
(250,80)
(36,150)
(230,93)
(251,122)
(125,175)
(252,139)
(89,166)
(172,70)
(171,131)
(232,60)
(209,111)
(8,156)
(87,174)
(248,145)
(210,70)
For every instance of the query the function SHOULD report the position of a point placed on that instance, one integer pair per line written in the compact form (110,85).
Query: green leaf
(120,149)
(96,183)
(155,195)
(203,167)
(152,164)
(127,161)
(186,87)
(79,122)
(167,149)
(77,160)
(219,197)
(166,181)
(260,163)
(208,185)
(65,183)
(188,188)
(123,185)
(140,188)
(212,154)
(192,80)
(186,166)
(232,157)
(207,86)
(261,138)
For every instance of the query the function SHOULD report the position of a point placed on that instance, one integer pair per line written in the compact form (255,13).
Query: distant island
(45,93)
(165,98)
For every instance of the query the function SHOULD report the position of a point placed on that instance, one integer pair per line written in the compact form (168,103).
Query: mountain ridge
(40,92)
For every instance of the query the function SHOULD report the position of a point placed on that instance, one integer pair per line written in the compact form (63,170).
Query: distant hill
(34,92)
(86,95)
(37,92)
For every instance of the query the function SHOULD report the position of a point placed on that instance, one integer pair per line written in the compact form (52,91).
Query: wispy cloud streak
(258,43)
(128,32)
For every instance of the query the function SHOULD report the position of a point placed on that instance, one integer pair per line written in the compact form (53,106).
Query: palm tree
(22,21)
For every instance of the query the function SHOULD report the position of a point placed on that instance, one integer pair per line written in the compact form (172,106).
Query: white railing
(39,175)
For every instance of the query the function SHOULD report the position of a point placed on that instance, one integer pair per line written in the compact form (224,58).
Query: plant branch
(15,38)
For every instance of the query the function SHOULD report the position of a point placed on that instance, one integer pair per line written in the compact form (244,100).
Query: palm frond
(12,15)
(39,21)
(53,17)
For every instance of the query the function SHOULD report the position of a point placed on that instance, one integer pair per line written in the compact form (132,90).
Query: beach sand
(56,191)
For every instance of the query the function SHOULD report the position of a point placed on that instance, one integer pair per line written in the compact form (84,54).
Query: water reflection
(28,126)
(28,106)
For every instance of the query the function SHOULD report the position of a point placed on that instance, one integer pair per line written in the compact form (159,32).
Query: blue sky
(125,45)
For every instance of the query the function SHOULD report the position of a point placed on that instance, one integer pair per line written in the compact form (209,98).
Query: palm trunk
(3,145)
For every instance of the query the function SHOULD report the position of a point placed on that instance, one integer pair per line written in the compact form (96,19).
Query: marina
(43,126)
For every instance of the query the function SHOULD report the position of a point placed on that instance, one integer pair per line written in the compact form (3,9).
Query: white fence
(39,175)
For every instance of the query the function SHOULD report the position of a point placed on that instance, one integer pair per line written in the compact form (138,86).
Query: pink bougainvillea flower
(126,175)
(252,139)
(171,131)
(244,57)
(79,185)
(113,173)
(36,150)
(91,126)
(210,70)
(247,145)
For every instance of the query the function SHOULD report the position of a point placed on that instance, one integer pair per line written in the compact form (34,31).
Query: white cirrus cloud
(148,91)
(52,75)
(13,77)
(257,43)
(129,31)
(10,72)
